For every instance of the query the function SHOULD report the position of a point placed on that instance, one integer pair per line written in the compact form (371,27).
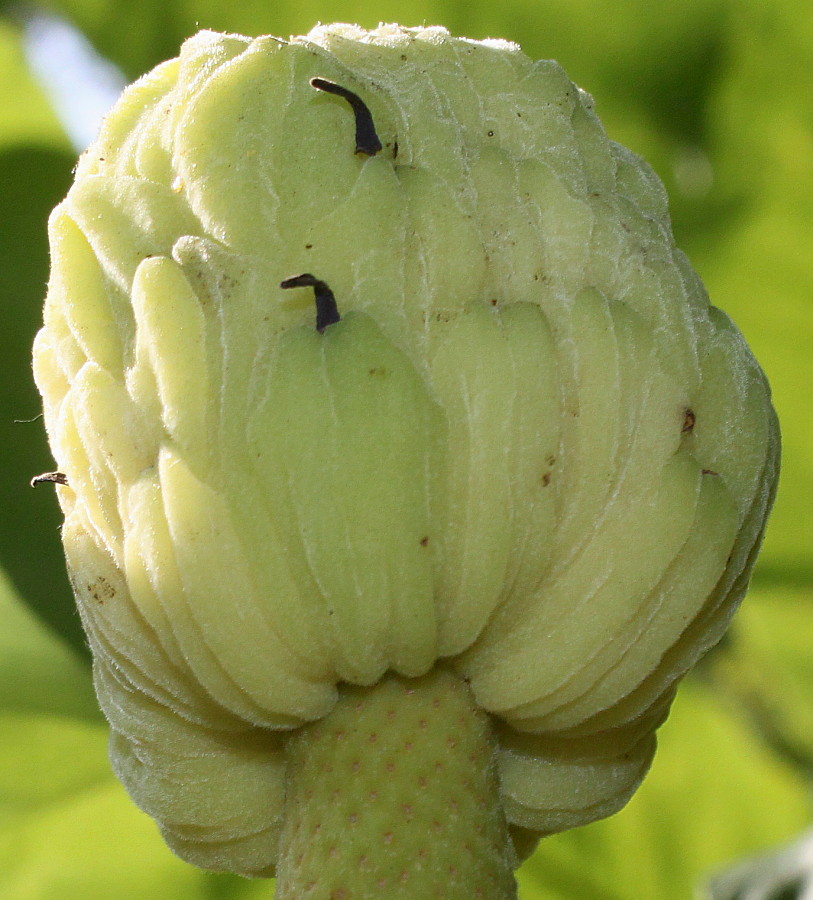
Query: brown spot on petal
(101,590)
(689,419)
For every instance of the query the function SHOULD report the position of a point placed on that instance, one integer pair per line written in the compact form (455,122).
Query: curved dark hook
(327,313)
(367,141)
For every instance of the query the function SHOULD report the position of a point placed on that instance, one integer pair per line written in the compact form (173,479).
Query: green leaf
(27,117)
(766,668)
(38,673)
(32,180)
(35,173)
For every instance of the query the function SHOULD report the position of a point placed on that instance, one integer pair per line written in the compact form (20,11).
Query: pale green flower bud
(528,448)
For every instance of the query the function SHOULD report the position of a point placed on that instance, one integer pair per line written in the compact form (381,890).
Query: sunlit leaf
(27,118)
(38,673)
(767,670)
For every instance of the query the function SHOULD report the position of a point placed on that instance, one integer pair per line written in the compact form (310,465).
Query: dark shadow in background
(33,180)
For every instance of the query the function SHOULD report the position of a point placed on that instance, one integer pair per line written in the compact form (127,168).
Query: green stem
(395,794)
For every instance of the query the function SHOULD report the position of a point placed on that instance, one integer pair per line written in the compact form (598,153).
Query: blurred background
(718,96)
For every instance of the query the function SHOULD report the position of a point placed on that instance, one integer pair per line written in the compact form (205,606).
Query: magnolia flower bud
(514,448)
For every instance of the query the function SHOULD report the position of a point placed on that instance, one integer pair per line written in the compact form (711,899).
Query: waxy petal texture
(529,447)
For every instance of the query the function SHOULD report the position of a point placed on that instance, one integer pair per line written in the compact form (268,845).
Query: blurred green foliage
(718,96)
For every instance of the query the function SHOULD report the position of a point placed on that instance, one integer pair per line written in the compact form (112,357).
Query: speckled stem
(395,794)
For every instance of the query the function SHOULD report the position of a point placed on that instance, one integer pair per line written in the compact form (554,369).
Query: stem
(395,794)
